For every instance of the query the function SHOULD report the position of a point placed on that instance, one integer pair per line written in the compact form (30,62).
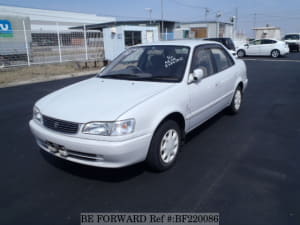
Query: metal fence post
(85,43)
(26,44)
(58,39)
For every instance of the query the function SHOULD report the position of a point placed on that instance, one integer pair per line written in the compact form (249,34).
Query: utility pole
(206,11)
(150,12)
(254,24)
(218,15)
(236,21)
(162,15)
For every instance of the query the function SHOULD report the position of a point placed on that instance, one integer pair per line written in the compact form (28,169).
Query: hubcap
(275,53)
(240,54)
(169,146)
(237,99)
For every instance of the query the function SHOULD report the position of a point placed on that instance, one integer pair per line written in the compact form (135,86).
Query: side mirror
(246,45)
(196,76)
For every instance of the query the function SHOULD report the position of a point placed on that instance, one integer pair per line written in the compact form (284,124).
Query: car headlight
(37,116)
(110,128)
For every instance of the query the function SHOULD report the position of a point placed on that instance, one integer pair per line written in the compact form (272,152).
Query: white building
(204,29)
(118,38)
(267,32)
(45,20)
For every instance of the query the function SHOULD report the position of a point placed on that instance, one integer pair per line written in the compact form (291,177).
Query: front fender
(149,114)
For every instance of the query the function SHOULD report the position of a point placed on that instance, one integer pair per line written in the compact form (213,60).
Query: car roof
(188,43)
(267,39)
(221,38)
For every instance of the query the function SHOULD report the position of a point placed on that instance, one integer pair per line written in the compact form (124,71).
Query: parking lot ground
(246,167)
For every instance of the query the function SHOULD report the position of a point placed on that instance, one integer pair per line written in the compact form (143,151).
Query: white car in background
(264,47)
(141,106)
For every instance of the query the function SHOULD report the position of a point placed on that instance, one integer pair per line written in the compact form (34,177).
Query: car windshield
(292,37)
(158,63)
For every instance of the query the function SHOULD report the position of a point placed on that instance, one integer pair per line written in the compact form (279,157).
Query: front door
(200,32)
(149,36)
(254,48)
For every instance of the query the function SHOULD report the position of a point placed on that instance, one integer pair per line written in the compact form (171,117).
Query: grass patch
(41,72)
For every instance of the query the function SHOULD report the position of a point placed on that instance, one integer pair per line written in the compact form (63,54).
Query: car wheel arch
(176,117)
(275,49)
(240,85)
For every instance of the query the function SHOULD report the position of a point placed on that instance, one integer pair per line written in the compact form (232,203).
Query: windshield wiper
(121,76)
(127,76)
(164,78)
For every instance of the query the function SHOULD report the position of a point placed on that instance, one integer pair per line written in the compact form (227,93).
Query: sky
(250,13)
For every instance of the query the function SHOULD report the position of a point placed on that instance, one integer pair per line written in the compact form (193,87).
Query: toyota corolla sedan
(141,106)
(264,47)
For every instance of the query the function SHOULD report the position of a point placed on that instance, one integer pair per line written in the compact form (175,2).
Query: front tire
(241,53)
(165,146)
(236,102)
(275,53)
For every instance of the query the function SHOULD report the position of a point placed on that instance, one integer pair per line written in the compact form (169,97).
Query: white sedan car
(264,47)
(141,106)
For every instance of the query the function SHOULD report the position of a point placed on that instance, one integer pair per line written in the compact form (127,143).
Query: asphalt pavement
(245,167)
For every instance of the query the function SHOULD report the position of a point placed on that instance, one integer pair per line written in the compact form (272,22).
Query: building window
(132,38)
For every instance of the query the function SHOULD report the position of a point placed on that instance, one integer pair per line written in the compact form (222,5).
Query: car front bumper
(91,152)
(293,46)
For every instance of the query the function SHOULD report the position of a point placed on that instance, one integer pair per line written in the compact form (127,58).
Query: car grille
(60,125)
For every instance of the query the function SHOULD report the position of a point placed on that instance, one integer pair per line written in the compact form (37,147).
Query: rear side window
(266,42)
(222,59)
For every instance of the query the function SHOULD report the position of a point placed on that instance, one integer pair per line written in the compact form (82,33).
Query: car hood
(98,99)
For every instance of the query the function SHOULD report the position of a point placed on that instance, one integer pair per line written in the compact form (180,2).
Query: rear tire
(275,53)
(241,53)
(165,146)
(236,101)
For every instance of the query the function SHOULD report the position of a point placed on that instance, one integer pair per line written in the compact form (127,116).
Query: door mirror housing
(196,76)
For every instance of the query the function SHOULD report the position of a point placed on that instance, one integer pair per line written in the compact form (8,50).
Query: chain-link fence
(26,47)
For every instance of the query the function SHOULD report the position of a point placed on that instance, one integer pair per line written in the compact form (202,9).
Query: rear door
(225,74)
(210,95)
(203,93)
(267,46)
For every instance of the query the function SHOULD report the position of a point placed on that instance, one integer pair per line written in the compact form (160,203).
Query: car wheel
(236,101)
(2,62)
(164,146)
(275,53)
(241,53)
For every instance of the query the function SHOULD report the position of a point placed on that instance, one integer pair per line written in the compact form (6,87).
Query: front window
(255,42)
(149,63)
